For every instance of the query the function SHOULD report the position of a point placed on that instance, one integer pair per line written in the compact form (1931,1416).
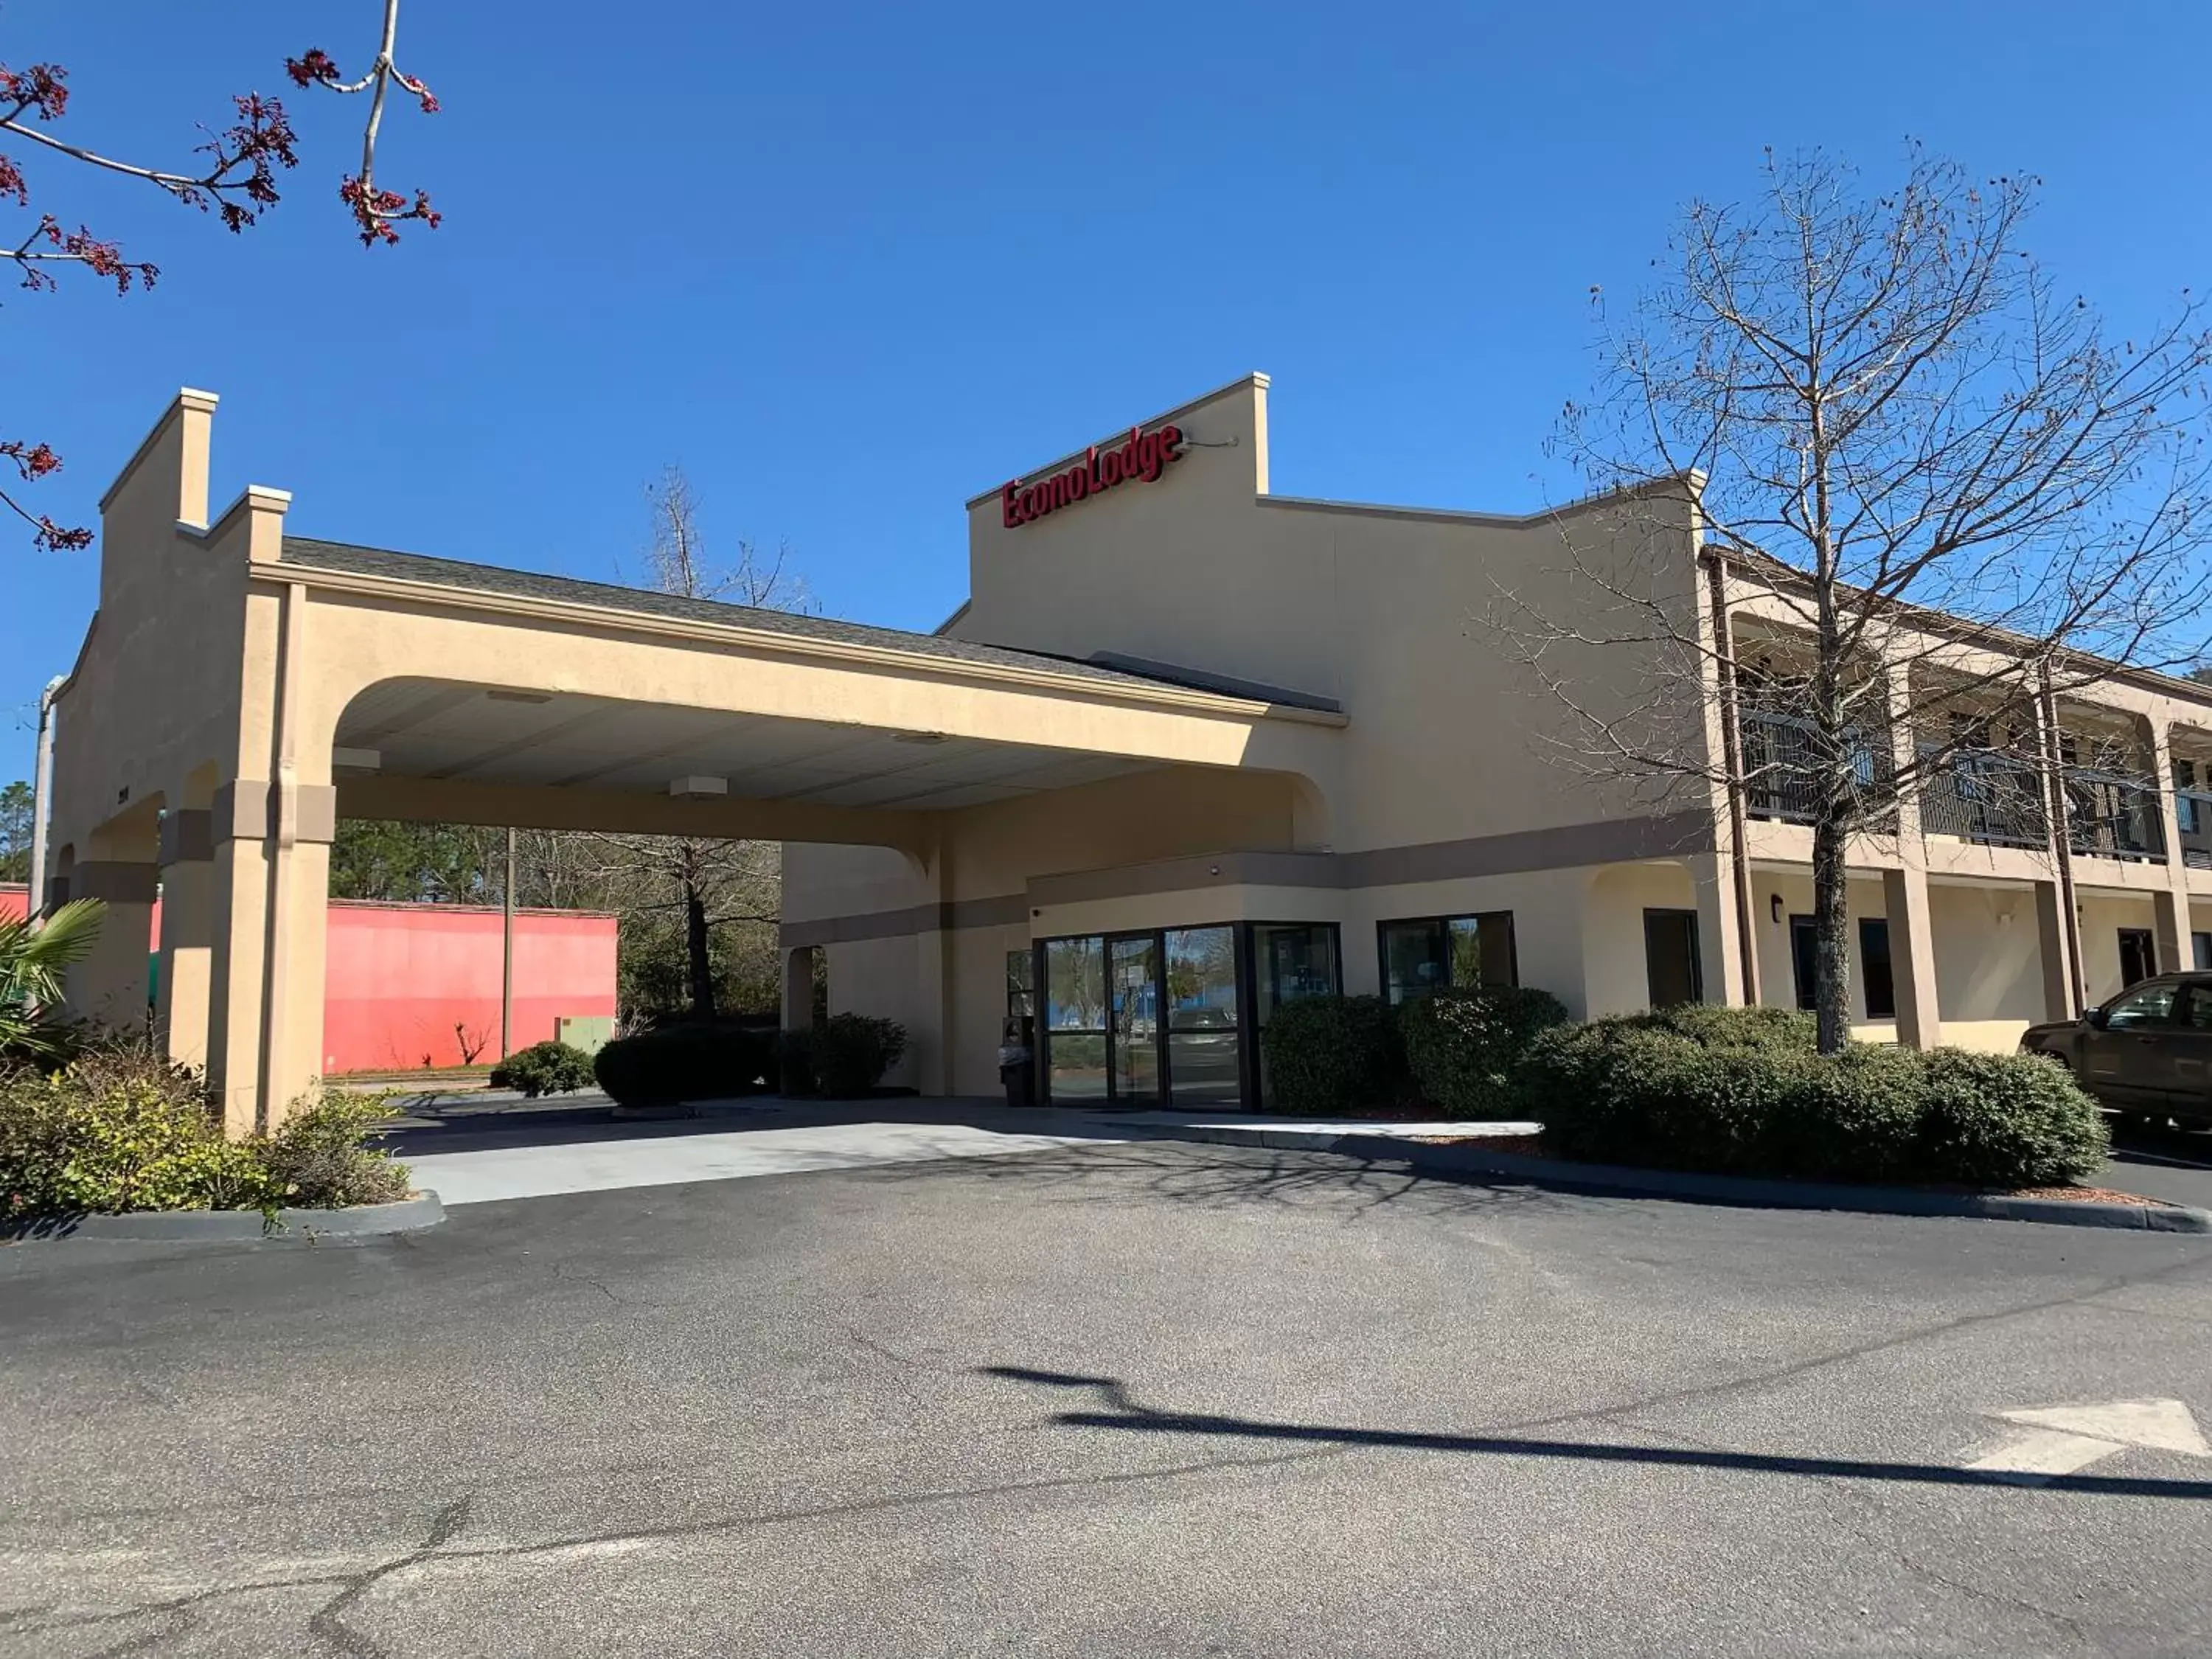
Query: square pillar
(109,988)
(2051,934)
(2175,952)
(1720,936)
(269,913)
(180,1000)
(1912,955)
(799,987)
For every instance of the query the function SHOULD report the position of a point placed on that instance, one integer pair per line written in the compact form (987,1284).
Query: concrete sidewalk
(530,1155)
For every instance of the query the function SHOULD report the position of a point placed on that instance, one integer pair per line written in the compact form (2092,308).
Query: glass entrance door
(1204,1062)
(1134,971)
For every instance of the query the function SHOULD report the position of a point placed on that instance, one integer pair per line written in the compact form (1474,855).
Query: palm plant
(32,963)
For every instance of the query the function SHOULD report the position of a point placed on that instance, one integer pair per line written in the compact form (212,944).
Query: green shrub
(543,1068)
(1741,1092)
(321,1158)
(121,1128)
(1328,1055)
(843,1057)
(1462,1047)
(109,1133)
(2008,1121)
(678,1063)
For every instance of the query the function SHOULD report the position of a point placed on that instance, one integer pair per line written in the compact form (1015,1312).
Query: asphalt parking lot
(1144,1398)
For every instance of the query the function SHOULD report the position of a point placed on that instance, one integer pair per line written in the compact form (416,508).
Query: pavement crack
(327,1623)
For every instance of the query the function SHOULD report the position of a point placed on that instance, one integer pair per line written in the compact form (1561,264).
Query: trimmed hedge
(1741,1091)
(543,1068)
(680,1063)
(1462,1047)
(842,1057)
(1329,1055)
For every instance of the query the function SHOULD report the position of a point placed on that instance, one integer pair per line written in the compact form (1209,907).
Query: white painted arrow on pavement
(2059,1439)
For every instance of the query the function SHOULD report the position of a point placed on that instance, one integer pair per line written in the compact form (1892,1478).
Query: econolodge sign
(1141,457)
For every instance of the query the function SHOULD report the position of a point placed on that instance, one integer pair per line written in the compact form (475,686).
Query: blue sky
(850,263)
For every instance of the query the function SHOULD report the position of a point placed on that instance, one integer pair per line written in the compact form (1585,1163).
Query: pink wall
(15,901)
(401,976)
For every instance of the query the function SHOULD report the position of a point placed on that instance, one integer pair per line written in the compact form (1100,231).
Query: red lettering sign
(1142,457)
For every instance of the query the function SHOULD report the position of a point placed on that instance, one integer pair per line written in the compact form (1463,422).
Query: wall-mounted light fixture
(1774,906)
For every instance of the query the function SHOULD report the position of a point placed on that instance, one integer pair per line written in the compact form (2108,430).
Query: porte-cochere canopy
(241,688)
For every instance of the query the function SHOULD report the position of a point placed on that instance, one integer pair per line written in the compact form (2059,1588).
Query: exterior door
(2128,1062)
(1804,954)
(1670,957)
(1133,976)
(1204,1057)
(2138,954)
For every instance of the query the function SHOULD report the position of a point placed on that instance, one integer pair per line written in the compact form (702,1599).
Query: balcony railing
(2193,815)
(1984,796)
(1779,766)
(2109,815)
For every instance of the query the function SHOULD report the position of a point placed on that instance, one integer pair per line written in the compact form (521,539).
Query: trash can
(1016,1070)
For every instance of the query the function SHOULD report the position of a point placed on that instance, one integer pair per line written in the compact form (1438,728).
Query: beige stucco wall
(2103,914)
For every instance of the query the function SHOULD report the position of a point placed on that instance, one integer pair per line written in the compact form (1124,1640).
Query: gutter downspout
(1732,757)
(42,798)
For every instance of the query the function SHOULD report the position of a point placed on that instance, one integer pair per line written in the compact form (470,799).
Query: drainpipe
(42,798)
(1732,757)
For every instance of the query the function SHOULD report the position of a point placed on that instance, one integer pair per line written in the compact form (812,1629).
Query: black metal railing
(1781,767)
(2192,816)
(1984,795)
(2111,815)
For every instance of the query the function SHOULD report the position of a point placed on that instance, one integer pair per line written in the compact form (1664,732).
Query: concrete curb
(1610,1180)
(241,1226)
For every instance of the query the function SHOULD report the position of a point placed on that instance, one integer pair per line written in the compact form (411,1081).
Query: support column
(270,898)
(180,1000)
(933,1036)
(109,988)
(1912,954)
(799,987)
(2050,943)
(1720,943)
(2176,952)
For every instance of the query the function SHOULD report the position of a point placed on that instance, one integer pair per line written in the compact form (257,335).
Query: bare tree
(708,883)
(1932,491)
(233,172)
(677,561)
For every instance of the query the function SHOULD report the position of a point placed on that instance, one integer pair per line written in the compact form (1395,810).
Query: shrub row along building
(1190,750)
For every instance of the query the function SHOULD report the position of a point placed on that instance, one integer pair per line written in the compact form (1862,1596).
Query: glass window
(1021,983)
(1874,965)
(2200,950)
(1461,952)
(1202,1050)
(1075,1016)
(2151,1005)
(2196,1007)
(1290,962)
(1414,960)
(1136,1011)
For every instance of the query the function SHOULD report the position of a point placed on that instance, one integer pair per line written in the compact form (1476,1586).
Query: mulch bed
(1533,1146)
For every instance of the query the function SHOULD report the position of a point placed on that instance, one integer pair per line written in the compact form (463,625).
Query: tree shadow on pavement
(1208,1175)
(1117,1408)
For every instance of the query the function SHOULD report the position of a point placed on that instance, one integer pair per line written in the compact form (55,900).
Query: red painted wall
(399,977)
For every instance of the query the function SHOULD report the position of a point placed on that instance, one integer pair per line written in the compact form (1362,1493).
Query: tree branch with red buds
(376,211)
(234,178)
